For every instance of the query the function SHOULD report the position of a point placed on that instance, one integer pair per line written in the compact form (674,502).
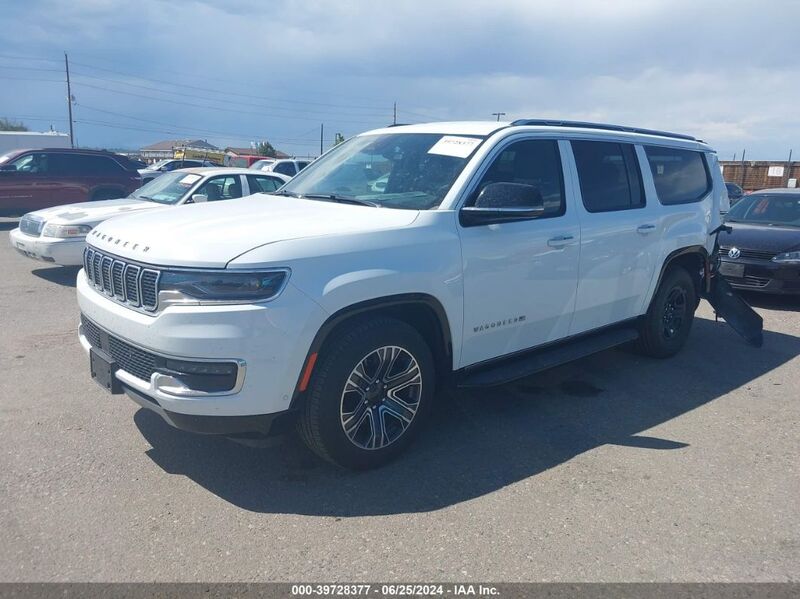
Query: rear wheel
(370,391)
(667,324)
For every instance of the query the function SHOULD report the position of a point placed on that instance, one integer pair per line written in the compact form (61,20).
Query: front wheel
(370,391)
(667,324)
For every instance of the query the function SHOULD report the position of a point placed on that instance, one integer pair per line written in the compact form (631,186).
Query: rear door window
(609,175)
(680,176)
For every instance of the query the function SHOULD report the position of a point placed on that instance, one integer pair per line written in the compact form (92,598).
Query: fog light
(218,368)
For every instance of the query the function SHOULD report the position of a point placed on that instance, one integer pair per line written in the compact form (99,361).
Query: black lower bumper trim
(258,425)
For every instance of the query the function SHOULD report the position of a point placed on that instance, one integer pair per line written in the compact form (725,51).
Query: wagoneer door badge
(498,323)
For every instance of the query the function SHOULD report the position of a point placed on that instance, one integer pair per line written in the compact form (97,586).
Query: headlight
(66,231)
(177,287)
(787,257)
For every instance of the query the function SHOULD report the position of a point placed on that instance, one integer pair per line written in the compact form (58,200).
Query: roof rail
(587,125)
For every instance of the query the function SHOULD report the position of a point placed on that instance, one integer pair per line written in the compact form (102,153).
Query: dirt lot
(614,468)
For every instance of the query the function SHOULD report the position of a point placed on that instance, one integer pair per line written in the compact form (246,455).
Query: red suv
(34,179)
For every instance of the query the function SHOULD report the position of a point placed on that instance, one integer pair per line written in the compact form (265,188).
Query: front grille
(122,281)
(750,282)
(749,254)
(138,362)
(30,225)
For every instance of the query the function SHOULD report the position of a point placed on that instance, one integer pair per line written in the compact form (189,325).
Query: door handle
(645,228)
(560,241)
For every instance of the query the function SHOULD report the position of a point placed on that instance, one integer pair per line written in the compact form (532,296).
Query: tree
(6,125)
(265,148)
(337,139)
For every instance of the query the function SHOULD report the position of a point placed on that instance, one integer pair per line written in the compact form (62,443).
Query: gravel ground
(614,468)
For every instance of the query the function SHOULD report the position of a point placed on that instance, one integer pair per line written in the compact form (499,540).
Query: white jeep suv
(490,252)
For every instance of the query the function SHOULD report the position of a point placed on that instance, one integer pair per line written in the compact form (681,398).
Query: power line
(220,109)
(206,89)
(182,128)
(218,100)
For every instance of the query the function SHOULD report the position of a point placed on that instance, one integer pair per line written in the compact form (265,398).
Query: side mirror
(503,202)
(199,198)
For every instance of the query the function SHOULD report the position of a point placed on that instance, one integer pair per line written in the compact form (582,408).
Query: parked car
(165,166)
(242,161)
(284,166)
(493,251)
(58,234)
(35,179)
(735,193)
(761,252)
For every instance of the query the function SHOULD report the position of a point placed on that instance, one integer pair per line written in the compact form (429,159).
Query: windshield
(157,165)
(259,164)
(783,209)
(7,157)
(169,188)
(394,170)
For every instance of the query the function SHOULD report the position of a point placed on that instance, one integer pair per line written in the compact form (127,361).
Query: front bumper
(268,341)
(765,276)
(65,252)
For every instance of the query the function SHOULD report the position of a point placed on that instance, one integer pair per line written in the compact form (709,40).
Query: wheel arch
(420,310)
(695,260)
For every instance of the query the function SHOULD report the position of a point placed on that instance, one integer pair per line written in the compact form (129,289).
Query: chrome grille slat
(105,273)
(132,294)
(117,268)
(130,284)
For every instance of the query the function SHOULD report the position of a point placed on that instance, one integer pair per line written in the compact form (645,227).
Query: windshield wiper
(340,199)
(290,194)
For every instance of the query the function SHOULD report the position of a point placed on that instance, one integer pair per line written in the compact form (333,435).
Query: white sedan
(58,235)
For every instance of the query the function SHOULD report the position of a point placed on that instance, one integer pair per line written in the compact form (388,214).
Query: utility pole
(321,132)
(394,115)
(69,104)
(498,115)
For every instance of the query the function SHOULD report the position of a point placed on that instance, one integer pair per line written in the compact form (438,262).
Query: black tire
(330,395)
(665,328)
(106,194)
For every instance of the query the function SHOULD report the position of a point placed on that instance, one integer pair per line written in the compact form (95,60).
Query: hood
(91,212)
(761,237)
(212,234)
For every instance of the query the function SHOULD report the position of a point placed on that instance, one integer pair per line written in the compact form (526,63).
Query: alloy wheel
(381,397)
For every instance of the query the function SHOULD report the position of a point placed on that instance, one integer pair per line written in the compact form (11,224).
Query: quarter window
(680,176)
(609,176)
(531,162)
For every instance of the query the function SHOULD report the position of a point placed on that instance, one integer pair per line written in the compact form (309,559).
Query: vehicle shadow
(479,442)
(62,275)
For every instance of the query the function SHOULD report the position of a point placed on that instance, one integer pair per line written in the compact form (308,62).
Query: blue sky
(235,71)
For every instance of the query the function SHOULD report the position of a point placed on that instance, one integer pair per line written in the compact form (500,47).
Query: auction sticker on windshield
(453,145)
(189,179)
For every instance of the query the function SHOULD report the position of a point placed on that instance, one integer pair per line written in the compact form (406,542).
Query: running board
(535,361)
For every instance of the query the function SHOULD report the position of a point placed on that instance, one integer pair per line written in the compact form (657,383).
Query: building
(166,149)
(751,175)
(252,152)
